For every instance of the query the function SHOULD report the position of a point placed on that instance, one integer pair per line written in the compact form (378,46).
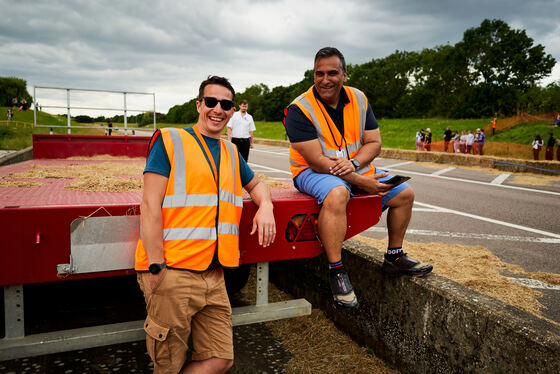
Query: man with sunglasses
(240,130)
(190,213)
(334,137)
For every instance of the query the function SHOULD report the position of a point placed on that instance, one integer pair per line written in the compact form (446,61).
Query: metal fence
(68,107)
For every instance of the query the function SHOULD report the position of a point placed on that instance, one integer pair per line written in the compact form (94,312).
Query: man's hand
(342,166)
(264,223)
(372,185)
(154,278)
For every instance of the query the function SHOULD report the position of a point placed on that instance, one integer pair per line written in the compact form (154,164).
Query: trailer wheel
(236,279)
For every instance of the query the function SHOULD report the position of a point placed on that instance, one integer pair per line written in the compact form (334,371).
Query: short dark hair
(220,81)
(244,102)
(329,52)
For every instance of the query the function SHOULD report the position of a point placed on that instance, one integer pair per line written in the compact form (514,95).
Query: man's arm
(340,166)
(251,138)
(264,218)
(151,220)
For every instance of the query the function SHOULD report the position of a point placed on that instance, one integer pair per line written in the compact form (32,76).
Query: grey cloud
(170,46)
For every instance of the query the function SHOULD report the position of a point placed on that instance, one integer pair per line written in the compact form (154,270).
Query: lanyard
(329,126)
(206,151)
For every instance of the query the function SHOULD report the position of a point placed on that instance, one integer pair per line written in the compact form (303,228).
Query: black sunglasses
(211,102)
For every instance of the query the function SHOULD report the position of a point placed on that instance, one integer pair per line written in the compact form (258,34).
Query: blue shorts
(319,185)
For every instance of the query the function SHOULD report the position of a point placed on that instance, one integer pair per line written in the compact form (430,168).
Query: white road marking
(443,171)
(282,153)
(268,168)
(471,235)
(424,210)
(533,283)
(500,178)
(409,172)
(395,165)
(491,220)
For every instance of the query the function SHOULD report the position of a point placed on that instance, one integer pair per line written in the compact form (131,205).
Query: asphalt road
(517,222)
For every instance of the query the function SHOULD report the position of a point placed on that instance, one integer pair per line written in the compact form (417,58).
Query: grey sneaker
(341,288)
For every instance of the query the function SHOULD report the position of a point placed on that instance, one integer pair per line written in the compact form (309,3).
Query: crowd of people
(467,141)
(538,144)
(20,105)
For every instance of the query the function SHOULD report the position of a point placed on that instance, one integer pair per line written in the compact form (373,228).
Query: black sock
(335,267)
(393,253)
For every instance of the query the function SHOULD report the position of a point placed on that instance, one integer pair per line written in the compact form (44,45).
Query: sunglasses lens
(226,104)
(211,102)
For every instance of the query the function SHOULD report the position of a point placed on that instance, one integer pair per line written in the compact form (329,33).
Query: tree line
(493,71)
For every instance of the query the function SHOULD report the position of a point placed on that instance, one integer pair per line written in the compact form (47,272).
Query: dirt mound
(506,123)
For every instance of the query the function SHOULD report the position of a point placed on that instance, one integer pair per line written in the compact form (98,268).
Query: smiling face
(329,78)
(211,121)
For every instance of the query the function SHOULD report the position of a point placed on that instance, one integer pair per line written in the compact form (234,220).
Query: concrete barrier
(18,156)
(426,325)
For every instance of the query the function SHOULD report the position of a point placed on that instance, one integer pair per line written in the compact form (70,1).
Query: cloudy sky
(169,47)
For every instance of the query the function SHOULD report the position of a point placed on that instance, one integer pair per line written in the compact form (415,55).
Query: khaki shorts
(183,302)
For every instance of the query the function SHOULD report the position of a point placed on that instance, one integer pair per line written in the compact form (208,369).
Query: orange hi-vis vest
(327,133)
(198,217)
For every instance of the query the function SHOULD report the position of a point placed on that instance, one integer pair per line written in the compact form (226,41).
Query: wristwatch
(156,268)
(356,163)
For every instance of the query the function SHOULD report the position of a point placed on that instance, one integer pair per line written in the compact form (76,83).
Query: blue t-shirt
(481,138)
(158,162)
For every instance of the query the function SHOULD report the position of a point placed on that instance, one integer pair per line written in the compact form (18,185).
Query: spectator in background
(240,130)
(420,140)
(456,141)
(549,152)
(479,141)
(447,136)
(470,141)
(14,103)
(10,115)
(493,123)
(110,126)
(23,105)
(557,122)
(537,145)
(463,142)
(428,140)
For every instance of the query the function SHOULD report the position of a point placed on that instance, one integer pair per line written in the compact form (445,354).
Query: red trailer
(52,234)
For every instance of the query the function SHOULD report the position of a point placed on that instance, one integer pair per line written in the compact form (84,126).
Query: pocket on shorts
(156,336)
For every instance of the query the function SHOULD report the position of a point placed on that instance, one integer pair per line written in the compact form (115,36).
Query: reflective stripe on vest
(355,113)
(191,203)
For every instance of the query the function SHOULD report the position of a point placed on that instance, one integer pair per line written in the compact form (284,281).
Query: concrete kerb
(18,156)
(511,165)
(426,325)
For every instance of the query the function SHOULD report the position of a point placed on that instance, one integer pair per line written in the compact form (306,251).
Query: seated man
(334,136)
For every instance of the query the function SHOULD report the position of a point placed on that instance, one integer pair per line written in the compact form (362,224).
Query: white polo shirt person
(240,130)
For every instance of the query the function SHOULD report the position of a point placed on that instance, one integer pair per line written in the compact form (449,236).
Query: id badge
(341,153)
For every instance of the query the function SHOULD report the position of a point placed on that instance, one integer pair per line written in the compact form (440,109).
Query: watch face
(155,268)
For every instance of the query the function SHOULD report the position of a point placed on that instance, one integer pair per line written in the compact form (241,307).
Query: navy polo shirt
(298,125)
